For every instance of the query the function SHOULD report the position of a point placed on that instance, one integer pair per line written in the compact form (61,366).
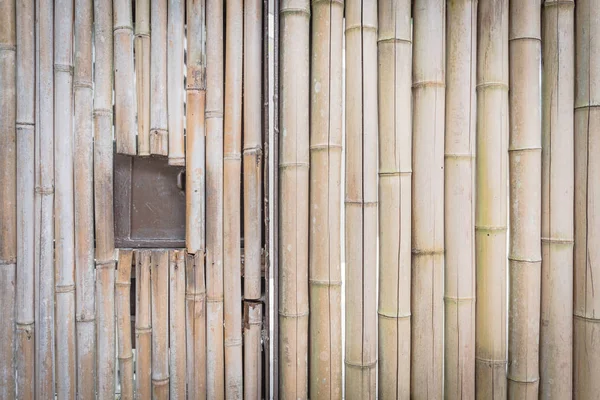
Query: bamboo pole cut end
(177,161)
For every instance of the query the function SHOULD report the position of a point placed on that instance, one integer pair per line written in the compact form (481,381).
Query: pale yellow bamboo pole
(159,137)
(142,74)
(160,323)
(459,197)
(177,326)
(294,67)
(123,317)
(231,200)
(586,361)
(195,323)
(361,199)
(395,166)
(143,326)
(491,195)
(525,157)
(252,350)
(215,374)
(175,89)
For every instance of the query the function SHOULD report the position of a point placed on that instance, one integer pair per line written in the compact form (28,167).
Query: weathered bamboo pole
(232,284)
(175,36)
(159,136)
(252,350)
(395,165)
(491,207)
(195,323)
(586,361)
(361,199)
(123,317)
(142,74)
(214,203)
(143,326)
(177,327)
(294,64)
(525,157)
(459,197)
(160,323)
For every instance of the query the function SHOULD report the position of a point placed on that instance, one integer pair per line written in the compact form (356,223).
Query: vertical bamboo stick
(231,199)
(395,164)
(143,326)
(293,198)
(123,317)
(177,327)
(159,140)
(175,35)
(252,350)
(160,324)
(195,322)
(361,199)
(214,203)
(142,74)
(491,208)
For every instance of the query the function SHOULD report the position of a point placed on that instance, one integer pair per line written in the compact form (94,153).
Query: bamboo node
(490,363)
(363,27)
(63,68)
(357,365)
(123,28)
(177,161)
(232,156)
(294,10)
(393,315)
(99,112)
(552,240)
(362,203)
(139,330)
(456,299)
(123,284)
(556,3)
(586,107)
(485,228)
(82,84)
(8,47)
(293,315)
(318,282)
(492,85)
(339,2)
(195,296)
(232,342)
(26,326)
(142,34)
(522,381)
(524,149)
(64,288)
(9,262)
(213,114)
(394,40)
(104,263)
(253,150)
(383,174)
(28,126)
(433,252)
(424,84)
(465,156)
(293,165)
(587,319)
(325,146)
(44,189)
(525,38)
(160,381)
(125,358)
(86,318)
(214,299)
(524,260)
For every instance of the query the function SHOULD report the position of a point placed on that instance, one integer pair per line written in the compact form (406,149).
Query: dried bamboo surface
(252,350)
(556,330)
(177,326)
(459,197)
(361,199)
(159,137)
(175,36)
(293,198)
(123,317)
(525,157)
(159,277)
(143,326)
(195,323)
(142,74)
(395,164)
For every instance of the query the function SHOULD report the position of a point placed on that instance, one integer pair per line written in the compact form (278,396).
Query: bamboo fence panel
(252,350)
(142,74)
(325,275)
(123,318)
(195,318)
(159,278)
(459,197)
(143,326)
(293,199)
(178,321)
(175,89)
(159,136)
(556,331)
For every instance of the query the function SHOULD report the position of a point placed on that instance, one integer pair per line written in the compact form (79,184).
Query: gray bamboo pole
(159,136)
(395,169)
(159,278)
(293,200)
(175,89)
(459,197)
(491,208)
(142,74)
(556,330)
(195,322)
(123,318)
(252,350)
(177,327)
(525,157)
(361,199)
(143,326)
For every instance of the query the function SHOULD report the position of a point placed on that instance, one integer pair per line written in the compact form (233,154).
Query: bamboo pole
(214,203)
(177,327)
(142,74)
(143,326)
(491,207)
(123,317)
(175,36)
(361,199)
(252,350)
(195,322)
(232,284)
(395,169)
(293,198)
(159,140)
(160,324)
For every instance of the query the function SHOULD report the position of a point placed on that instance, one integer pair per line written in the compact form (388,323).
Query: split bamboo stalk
(103,199)
(491,206)
(325,275)
(395,164)
(123,317)
(160,324)
(252,350)
(214,203)
(159,140)
(427,352)
(64,221)
(195,323)
(232,284)
(459,197)
(125,128)
(293,198)
(143,326)
(361,199)
(142,74)
(525,157)
(176,23)
(587,225)
(178,327)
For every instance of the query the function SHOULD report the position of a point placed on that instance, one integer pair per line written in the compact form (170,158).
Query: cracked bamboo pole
(525,157)
(195,323)
(175,89)
(159,278)
(123,318)
(294,67)
(142,74)
(177,328)
(427,360)
(459,197)
(586,308)
(361,199)
(556,330)
(252,350)
(159,136)
(143,326)
(325,336)
(491,207)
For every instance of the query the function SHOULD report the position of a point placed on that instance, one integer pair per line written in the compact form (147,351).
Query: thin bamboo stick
(143,326)
(325,337)
(252,350)
(175,35)
(395,169)
(160,324)
(491,208)
(142,74)
(159,136)
(123,317)
(293,198)
(178,327)
(195,322)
